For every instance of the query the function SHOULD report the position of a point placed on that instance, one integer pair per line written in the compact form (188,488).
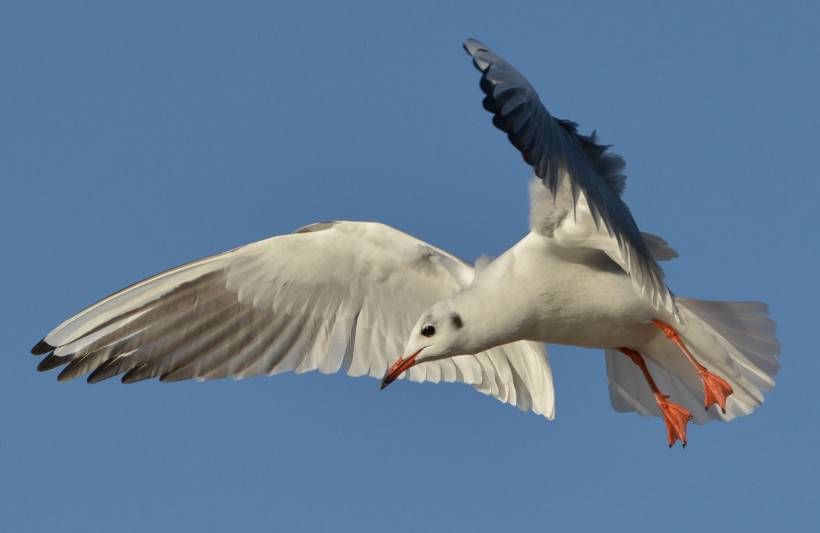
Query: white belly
(603,311)
(581,301)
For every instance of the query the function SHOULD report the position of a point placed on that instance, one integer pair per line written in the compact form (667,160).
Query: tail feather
(735,340)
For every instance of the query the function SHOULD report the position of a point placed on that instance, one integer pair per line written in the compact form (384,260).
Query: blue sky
(134,138)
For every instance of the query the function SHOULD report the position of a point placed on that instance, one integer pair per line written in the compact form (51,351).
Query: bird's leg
(676,416)
(716,389)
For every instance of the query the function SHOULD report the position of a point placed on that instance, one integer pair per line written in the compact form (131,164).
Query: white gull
(343,296)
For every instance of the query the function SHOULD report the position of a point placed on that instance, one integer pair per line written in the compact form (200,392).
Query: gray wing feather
(658,247)
(554,148)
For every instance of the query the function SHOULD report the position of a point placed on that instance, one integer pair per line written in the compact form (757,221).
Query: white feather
(333,296)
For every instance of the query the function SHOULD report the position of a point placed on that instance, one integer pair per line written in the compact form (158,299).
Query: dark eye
(428,331)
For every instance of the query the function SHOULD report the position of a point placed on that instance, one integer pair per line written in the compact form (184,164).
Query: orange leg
(676,416)
(716,389)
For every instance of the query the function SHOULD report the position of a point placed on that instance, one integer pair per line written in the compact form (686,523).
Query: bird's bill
(397,368)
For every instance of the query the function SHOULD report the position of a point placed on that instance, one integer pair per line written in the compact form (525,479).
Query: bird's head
(438,333)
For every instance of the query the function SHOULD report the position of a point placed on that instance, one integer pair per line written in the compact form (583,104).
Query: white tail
(735,340)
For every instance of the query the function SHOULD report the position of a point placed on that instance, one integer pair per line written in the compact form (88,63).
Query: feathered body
(581,299)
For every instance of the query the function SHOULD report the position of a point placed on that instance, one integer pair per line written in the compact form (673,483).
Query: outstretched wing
(331,296)
(581,176)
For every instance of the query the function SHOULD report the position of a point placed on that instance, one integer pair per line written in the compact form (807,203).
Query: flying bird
(343,296)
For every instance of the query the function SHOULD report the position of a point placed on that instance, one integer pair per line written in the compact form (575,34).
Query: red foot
(676,417)
(716,388)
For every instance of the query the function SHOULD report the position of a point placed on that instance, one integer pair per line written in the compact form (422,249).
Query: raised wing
(332,296)
(576,170)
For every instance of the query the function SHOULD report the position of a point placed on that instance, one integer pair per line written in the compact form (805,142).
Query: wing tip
(66,375)
(42,347)
(51,362)
(473,48)
(91,379)
(135,375)
(473,45)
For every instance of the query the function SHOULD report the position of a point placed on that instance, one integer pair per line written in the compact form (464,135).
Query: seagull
(343,296)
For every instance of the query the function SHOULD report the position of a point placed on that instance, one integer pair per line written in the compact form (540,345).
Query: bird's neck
(498,307)
(490,318)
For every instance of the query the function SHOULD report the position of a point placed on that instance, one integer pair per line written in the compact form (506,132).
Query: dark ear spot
(456,320)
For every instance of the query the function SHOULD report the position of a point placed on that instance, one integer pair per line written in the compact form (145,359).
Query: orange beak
(397,368)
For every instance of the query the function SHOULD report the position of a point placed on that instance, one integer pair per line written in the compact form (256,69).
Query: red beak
(397,368)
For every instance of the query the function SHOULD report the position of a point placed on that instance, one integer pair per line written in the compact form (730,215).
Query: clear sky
(134,138)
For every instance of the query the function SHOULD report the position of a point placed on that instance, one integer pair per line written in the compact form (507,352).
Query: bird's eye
(428,331)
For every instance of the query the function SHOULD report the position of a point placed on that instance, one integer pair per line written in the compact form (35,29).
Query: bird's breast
(583,306)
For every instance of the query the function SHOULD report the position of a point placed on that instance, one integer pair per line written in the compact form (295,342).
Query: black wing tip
(473,45)
(50,362)
(42,348)
(476,50)
(129,377)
